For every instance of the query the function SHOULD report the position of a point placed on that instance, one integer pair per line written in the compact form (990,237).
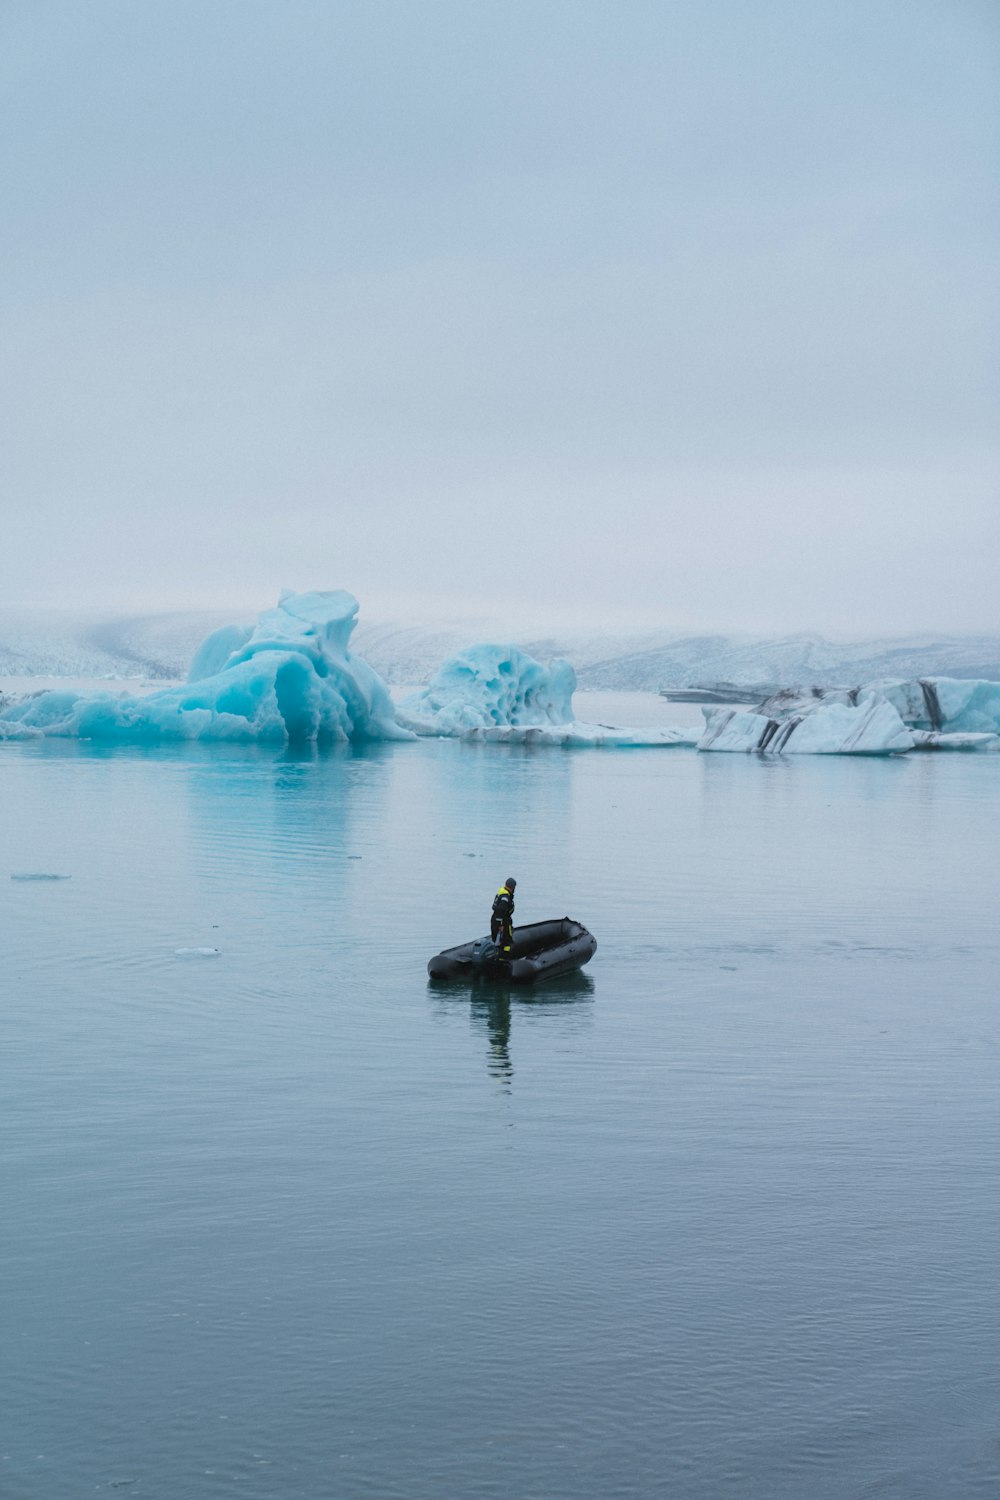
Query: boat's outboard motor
(484,952)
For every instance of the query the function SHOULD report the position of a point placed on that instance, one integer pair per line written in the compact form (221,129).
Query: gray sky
(681,310)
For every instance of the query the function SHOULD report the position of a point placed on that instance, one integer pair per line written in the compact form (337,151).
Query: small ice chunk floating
(540,950)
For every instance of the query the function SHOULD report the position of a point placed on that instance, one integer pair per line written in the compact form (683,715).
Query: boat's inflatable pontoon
(539,951)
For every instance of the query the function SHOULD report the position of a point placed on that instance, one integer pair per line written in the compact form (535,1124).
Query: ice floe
(931,739)
(577,735)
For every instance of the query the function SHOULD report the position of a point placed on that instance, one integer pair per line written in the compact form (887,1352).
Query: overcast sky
(675,309)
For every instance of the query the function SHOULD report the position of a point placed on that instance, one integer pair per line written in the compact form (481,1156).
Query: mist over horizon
(516,619)
(157,646)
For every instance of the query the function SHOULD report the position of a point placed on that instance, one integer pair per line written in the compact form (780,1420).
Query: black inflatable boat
(539,951)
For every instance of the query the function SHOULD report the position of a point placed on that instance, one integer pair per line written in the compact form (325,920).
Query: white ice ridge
(870,727)
(500,695)
(291,678)
(885,718)
(930,739)
(580,736)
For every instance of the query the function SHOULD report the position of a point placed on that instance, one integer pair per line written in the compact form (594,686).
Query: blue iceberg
(290,679)
(489,686)
(498,694)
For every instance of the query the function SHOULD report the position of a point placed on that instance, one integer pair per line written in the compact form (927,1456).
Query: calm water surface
(720,1218)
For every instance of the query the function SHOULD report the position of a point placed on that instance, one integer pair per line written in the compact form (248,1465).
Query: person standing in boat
(502,917)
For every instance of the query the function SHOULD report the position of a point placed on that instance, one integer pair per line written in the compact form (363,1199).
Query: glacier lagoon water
(718,1219)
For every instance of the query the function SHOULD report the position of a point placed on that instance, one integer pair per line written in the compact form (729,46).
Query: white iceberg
(940,713)
(291,678)
(872,726)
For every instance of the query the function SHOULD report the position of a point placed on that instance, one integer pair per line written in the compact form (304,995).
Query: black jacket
(503,905)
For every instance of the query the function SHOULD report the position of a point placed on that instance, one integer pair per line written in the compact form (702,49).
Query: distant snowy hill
(92,644)
(691,660)
(160,646)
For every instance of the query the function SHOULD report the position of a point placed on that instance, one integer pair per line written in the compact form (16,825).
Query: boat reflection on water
(492,1006)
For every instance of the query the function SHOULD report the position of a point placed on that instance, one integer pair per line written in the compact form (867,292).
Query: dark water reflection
(492,1007)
